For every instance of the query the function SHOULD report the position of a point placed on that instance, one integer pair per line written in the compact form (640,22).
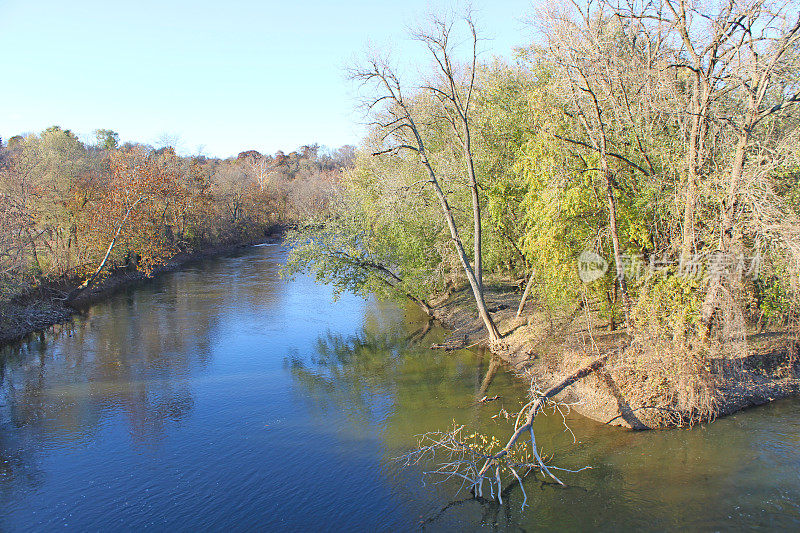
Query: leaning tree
(395,111)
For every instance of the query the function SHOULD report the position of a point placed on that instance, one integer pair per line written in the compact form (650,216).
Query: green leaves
(375,240)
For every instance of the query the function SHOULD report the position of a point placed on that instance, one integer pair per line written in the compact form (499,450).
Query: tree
(106,139)
(501,117)
(258,167)
(396,113)
(43,175)
(129,208)
(601,67)
(354,245)
(14,231)
(741,59)
(15,141)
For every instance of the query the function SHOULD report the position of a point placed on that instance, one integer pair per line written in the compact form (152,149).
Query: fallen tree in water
(472,457)
(610,377)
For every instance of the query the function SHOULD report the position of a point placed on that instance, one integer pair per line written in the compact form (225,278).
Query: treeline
(639,159)
(68,209)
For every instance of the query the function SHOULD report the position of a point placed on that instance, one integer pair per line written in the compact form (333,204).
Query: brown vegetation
(71,214)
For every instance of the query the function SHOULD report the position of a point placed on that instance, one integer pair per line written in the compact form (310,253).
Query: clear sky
(222,76)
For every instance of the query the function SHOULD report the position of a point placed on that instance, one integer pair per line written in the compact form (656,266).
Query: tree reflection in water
(131,356)
(388,380)
(392,384)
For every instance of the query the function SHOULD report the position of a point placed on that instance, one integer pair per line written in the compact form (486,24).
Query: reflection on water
(224,397)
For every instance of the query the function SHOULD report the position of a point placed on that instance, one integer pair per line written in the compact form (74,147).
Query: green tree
(106,139)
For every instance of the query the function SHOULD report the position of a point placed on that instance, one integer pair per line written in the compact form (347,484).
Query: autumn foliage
(67,208)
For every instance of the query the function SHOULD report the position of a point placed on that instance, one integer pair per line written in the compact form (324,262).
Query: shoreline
(539,348)
(45,306)
(542,349)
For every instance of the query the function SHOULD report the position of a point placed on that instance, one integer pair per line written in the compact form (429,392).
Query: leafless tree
(739,58)
(260,169)
(742,58)
(394,110)
(461,457)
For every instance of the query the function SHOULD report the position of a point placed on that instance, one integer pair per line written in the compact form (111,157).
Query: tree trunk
(476,209)
(88,283)
(477,288)
(612,221)
(599,139)
(693,159)
(729,243)
(475,284)
(525,294)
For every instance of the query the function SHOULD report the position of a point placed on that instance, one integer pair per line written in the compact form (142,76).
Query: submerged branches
(477,460)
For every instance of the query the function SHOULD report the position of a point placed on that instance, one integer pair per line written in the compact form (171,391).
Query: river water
(224,397)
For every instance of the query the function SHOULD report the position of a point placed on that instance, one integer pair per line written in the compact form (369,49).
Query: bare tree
(742,59)
(734,52)
(396,114)
(463,458)
(261,169)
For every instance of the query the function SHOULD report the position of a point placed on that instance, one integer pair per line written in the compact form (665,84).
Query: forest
(70,212)
(636,162)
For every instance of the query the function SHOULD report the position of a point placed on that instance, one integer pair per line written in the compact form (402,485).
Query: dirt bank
(543,347)
(46,304)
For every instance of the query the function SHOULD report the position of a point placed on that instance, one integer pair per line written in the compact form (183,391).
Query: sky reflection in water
(222,396)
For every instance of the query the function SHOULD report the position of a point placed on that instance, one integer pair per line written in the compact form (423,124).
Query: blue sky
(221,76)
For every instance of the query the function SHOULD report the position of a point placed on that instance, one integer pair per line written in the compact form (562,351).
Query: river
(224,397)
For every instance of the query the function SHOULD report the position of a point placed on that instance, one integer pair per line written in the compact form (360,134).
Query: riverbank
(543,347)
(225,387)
(46,305)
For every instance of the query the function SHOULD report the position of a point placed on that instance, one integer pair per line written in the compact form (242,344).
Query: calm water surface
(223,397)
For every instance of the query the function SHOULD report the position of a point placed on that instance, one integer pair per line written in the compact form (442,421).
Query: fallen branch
(533,407)
(471,457)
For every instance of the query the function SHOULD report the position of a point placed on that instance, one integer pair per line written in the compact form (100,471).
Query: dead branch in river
(469,457)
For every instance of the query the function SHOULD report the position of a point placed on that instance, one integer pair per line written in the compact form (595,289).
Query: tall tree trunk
(457,111)
(693,158)
(477,288)
(476,209)
(612,221)
(729,242)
